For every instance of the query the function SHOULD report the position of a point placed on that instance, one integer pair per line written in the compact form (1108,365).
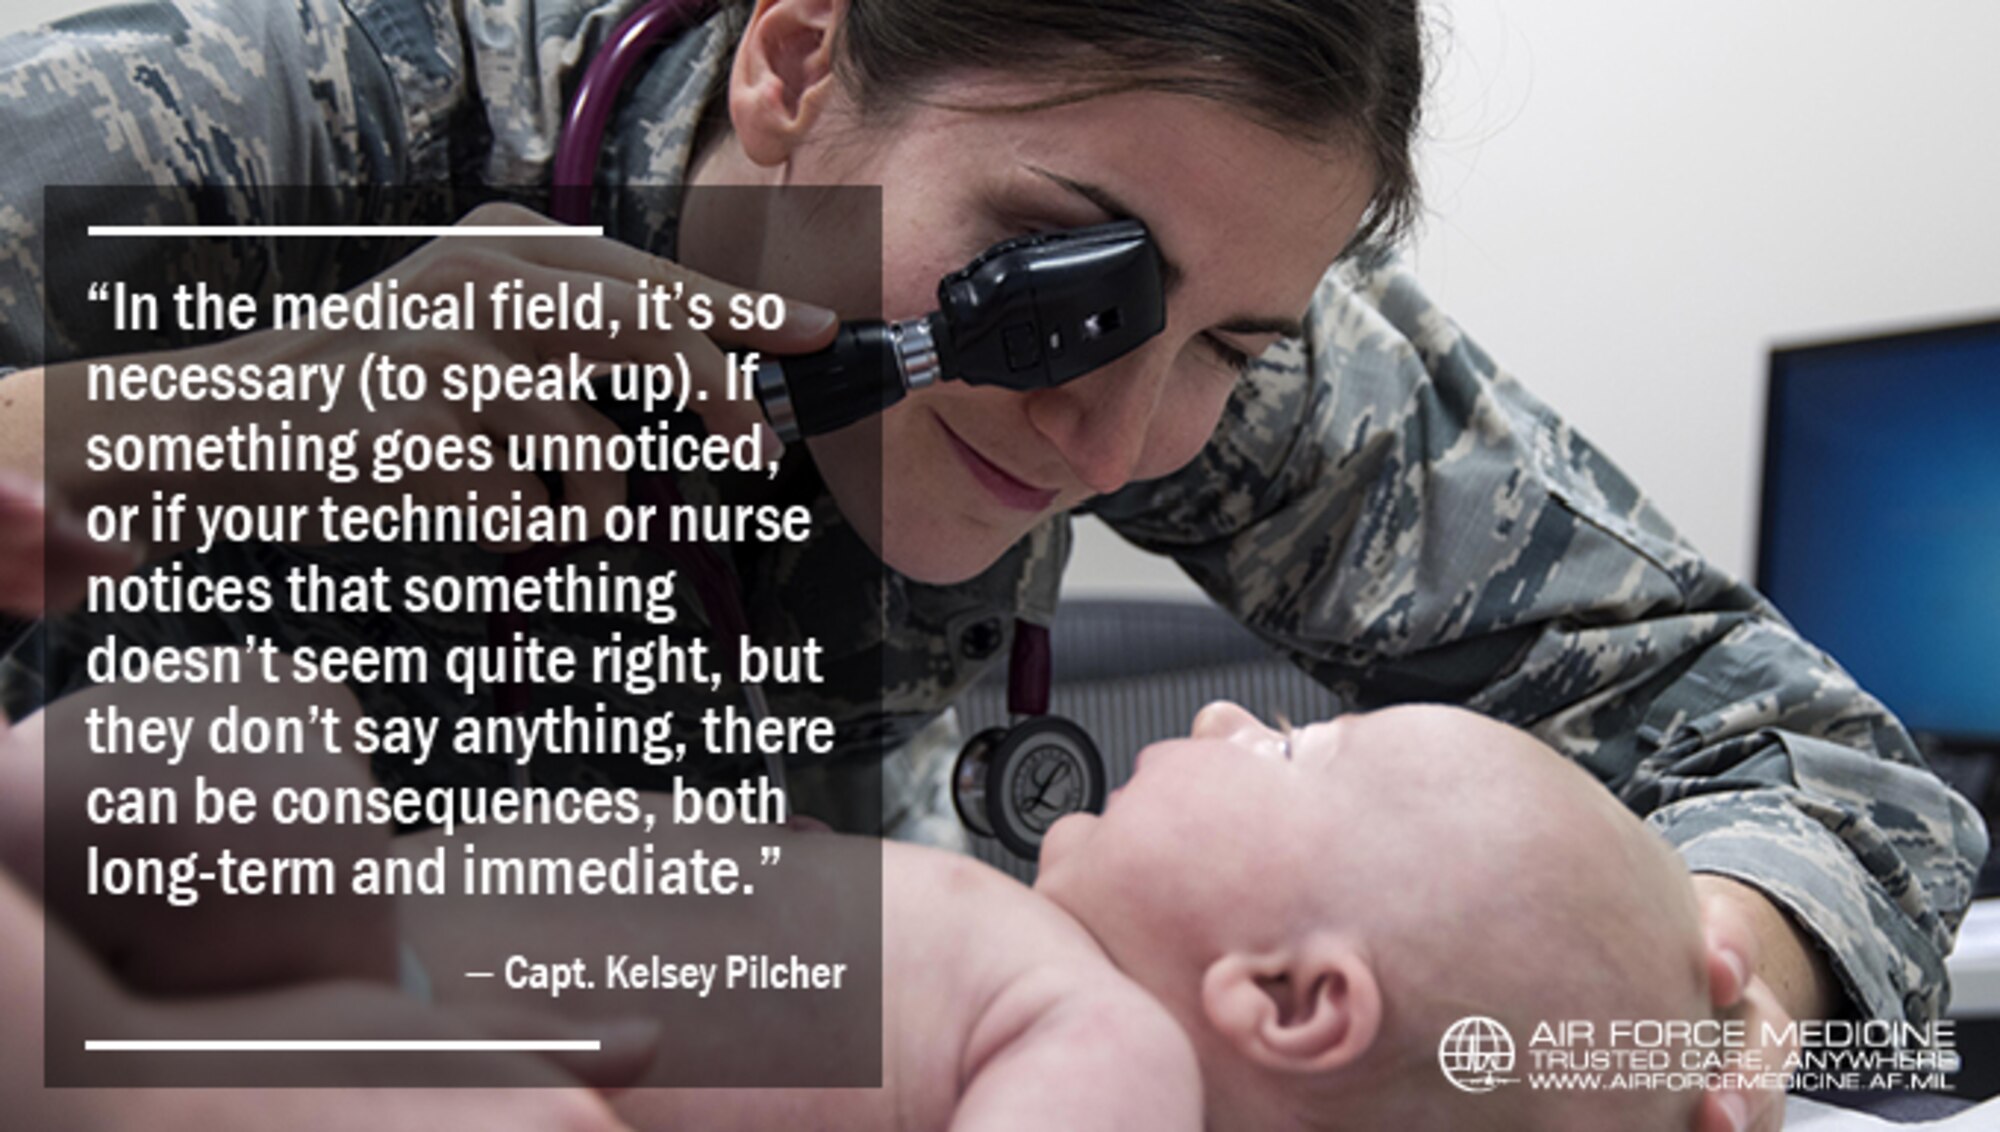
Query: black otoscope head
(1027,313)
(1041,310)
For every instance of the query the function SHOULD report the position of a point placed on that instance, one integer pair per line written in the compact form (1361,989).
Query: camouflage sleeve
(195,93)
(1409,523)
(252,94)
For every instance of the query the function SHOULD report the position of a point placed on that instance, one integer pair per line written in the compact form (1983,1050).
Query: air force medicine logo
(1474,1052)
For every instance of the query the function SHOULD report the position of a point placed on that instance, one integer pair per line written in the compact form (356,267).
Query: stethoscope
(1028,313)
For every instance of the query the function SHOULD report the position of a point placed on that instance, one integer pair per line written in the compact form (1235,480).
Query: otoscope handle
(810,394)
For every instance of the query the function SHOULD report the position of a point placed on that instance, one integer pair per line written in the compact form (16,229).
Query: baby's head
(1317,908)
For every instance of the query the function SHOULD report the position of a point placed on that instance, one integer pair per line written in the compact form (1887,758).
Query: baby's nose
(1222,719)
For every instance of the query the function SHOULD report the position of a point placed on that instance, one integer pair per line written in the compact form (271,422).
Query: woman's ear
(782,75)
(1308,1008)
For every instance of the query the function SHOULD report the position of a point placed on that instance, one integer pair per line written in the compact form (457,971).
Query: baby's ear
(1307,1008)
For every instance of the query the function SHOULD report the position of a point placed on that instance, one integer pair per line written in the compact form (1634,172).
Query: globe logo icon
(1474,1052)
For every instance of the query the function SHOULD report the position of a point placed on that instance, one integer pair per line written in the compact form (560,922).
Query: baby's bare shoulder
(1032,1000)
(1054,1033)
(999,933)
(1079,1054)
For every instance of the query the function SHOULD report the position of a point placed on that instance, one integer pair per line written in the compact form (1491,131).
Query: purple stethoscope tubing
(597,95)
(577,150)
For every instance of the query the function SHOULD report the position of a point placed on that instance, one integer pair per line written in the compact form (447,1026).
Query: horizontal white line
(479,974)
(345,230)
(313,1046)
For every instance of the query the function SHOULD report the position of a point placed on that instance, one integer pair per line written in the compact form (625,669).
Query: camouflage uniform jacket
(1380,501)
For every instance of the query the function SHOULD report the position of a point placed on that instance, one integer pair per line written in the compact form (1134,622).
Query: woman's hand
(46,560)
(1765,973)
(446,266)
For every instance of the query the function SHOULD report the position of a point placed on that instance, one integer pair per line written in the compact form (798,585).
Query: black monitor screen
(1881,517)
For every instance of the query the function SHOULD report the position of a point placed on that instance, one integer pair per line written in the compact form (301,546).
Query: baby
(1264,930)
(1300,916)
(1316,908)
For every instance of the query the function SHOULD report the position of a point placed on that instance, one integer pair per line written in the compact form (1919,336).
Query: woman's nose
(1099,422)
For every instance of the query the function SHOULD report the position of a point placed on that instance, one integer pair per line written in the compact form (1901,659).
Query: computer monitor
(1880,530)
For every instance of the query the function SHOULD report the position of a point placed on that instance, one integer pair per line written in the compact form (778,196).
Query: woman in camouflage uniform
(1317,444)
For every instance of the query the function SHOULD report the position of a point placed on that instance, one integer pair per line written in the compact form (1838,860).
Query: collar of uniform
(650,139)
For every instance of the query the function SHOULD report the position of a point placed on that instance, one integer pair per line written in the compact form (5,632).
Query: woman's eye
(1000,232)
(1225,355)
(1014,225)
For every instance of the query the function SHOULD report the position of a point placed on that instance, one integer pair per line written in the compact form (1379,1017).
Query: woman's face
(1247,220)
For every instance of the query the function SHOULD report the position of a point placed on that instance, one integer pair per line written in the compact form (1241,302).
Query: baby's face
(1196,811)
(1198,851)
(1401,822)
(1238,800)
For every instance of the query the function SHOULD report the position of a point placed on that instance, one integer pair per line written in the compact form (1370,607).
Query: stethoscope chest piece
(1013,783)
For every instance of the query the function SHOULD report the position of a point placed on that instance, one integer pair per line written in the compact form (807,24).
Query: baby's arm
(1111,1059)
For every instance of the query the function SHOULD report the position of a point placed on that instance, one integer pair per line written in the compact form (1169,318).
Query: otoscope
(1027,313)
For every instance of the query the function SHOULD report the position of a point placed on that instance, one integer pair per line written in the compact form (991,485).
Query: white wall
(27,13)
(1630,201)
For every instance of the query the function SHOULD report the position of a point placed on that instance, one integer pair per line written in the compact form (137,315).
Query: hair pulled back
(1336,72)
